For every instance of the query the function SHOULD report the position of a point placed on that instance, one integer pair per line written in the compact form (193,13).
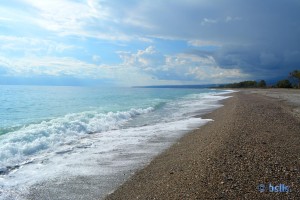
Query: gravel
(254,140)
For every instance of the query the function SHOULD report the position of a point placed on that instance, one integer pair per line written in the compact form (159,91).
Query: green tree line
(293,81)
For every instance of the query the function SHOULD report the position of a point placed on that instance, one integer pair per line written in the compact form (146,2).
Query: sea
(53,137)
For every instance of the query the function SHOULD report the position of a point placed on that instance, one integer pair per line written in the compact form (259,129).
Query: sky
(147,42)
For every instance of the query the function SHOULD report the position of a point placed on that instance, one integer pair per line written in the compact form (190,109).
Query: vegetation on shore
(293,81)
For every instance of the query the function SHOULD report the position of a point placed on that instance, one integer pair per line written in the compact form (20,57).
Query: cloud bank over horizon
(114,42)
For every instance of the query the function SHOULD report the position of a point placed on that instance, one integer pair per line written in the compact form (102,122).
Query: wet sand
(254,140)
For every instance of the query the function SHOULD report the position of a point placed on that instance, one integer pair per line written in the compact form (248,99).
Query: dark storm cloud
(259,37)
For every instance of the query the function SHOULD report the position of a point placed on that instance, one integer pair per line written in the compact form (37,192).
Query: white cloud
(65,66)
(206,21)
(31,45)
(189,59)
(134,21)
(54,66)
(91,19)
(67,14)
(72,17)
(180,67)
(230,19)
(148,59)
(6,19)
(216,74)
(96,58)
(143,67)
(199,43)
(205,68)
(11,15)
(202,68)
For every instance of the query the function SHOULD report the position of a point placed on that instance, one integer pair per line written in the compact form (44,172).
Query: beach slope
(253,141)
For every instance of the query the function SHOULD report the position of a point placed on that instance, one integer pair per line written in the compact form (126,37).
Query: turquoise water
(48,132)
(23,105)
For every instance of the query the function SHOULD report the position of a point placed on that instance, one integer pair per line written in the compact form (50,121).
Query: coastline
(253,140)
(93,171)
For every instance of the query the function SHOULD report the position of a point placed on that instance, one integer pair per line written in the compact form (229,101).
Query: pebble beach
(252,146)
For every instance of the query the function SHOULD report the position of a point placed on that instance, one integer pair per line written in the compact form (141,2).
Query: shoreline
(101,170)
(253,140)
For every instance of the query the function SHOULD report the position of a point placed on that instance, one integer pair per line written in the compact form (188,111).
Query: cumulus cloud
(184,67)
(148,59)
(202,68)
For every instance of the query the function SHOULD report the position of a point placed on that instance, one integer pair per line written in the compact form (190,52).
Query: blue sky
(147,42)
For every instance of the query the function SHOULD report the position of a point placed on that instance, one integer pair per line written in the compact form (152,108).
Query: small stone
(229,178)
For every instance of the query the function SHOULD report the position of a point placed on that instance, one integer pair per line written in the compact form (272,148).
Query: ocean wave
(18,146)
(64,147)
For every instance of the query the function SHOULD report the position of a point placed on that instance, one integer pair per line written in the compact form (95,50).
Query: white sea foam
(60,149)
(98,155)
(19,146)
